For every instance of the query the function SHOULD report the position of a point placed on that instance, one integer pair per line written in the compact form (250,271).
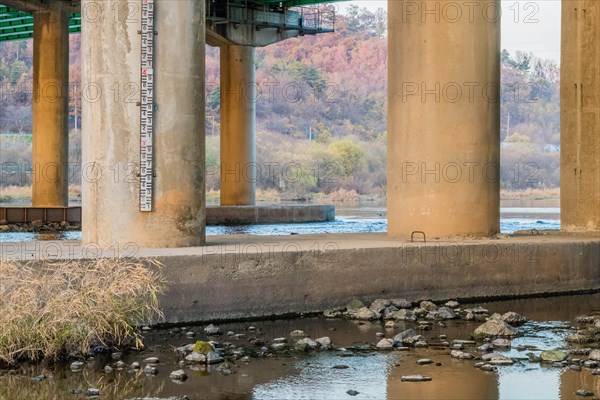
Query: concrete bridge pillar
(111,65)
(444,118)
(580,116)
(50,109)
(238,126)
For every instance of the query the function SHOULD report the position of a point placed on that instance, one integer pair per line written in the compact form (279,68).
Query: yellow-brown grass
(56,309)
(530,194)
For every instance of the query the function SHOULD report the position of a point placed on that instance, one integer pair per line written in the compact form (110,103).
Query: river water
(349,219)
(373,374)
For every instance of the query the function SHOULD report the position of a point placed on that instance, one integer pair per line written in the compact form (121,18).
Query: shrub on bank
(60,309)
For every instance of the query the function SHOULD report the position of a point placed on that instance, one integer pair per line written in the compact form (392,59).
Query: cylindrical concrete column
(238,126)
(111,64)
(444,118)
(580,116)
(50,109)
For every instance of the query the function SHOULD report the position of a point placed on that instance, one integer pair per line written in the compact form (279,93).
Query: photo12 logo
(454,12)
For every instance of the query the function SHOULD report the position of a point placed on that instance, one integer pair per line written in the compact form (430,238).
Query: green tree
(351,156)
(506,60)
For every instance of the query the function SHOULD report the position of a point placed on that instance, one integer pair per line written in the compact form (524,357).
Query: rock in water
(178,375)
(485,347)
(415,378)
(513,318)
(428,305)
(594,355)
(399,338)
(212,330)
(401,303)
(278,346)
(333,313)
(365,314)
(306,344)
(553,356)
(390,325)
(501,343)
(445,313)
(385,344)
(195,358)
(325,343)
(354,305)
(352,392)
(452,304)
(388,312)
(584,393)
(461,355)
(214,358)
(496,359)
(150,370)
(404,315)
(379,305)
(493,328)
(298,334)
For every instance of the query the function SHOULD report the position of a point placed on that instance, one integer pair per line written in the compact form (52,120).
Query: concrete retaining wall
(240,277)
(223,284)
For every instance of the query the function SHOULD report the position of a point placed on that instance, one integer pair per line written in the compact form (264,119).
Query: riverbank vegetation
(64,308)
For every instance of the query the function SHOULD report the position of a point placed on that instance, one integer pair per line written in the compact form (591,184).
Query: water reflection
(522,382)
(318,379)
(454,379)
(572,381)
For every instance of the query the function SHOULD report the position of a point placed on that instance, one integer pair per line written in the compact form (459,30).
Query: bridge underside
(16,16)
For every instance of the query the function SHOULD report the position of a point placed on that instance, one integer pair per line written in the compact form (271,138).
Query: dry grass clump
(58,309)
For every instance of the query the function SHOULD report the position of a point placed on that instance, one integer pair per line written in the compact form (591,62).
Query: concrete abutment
(580,116)
(111,130)
(238,126)
(443,124)
(50,109)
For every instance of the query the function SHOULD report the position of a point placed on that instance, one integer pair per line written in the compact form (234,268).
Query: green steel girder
(15,25)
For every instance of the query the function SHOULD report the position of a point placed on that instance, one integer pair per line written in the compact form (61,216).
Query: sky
(526,25)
